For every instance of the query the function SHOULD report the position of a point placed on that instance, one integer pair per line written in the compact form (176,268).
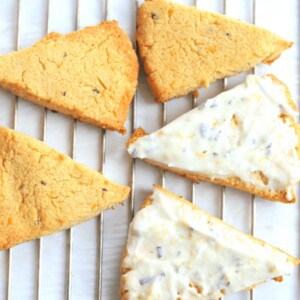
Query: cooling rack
(84,262)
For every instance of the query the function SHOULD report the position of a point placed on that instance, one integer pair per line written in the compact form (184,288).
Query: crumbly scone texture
(43,191)
(89,74)
(184,48)
(235,182)
(148,201)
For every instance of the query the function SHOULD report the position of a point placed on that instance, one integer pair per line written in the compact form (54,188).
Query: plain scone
(184,48)
(43,191)
(235,181)
(90,74)
(206,258)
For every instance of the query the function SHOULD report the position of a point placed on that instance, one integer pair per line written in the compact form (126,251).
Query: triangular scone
(43,191)
(184,48)
(89,74)
(245,138)
(177,251)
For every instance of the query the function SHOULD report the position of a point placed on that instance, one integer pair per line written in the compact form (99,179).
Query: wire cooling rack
(84,262)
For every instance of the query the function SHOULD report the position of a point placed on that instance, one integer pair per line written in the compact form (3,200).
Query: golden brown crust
(184,48)
(280,196)
(140,132)
(43,191)
(233,182)
(89,74)
(148,201)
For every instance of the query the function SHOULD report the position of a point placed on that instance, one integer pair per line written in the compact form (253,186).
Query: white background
(276,223)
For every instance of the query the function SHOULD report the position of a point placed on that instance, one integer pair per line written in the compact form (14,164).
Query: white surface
(275,222)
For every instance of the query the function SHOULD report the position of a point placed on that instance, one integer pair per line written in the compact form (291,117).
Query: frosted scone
(90,74)
(177,251)
(244,138)
(43,191)
(184,48)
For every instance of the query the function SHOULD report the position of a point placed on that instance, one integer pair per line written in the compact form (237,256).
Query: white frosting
(238,133)
(174,249)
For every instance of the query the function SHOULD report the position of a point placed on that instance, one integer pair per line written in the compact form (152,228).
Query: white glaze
(206,140)
(194,249)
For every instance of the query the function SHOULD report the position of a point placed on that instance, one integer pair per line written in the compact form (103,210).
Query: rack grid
(103,153)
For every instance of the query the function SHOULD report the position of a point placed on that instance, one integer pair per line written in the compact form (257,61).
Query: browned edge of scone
(159,97)
(235,182)
(15,89)
(69,225)
(119,123)
(149,200)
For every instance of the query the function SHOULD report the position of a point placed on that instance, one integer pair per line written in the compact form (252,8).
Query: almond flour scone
(245,138)
(43,191)
(184,48)
(175,250)
(90,74)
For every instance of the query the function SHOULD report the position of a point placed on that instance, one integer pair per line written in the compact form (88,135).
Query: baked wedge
(90,74)
(245,138)
(184,48)
(43,191)
(175,250)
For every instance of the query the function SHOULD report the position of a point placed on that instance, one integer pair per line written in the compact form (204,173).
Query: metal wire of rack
(133,122)
(224,87)
(253,196)
(68,287)
(102,167)
(14,126)
(44,139)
